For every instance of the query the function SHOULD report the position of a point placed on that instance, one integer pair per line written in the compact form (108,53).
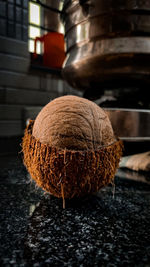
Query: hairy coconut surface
(68,173)
(70,149)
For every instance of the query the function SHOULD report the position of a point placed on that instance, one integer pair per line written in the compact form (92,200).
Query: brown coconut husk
(70,173)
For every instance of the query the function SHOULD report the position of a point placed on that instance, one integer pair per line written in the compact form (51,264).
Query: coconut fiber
(70,149)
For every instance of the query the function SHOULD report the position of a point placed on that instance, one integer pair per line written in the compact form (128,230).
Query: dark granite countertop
(96,231)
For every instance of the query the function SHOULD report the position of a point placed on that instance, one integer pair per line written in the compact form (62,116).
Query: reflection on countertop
(96,231)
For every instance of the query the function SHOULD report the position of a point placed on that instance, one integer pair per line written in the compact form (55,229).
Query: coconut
(70,149)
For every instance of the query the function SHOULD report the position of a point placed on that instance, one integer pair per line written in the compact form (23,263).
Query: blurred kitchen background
(106,59)
(25,83)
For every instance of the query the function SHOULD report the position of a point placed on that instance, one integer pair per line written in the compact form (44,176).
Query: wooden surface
(138,162)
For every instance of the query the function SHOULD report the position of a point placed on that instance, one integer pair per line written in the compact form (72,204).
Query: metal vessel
(130,124)
(107,43)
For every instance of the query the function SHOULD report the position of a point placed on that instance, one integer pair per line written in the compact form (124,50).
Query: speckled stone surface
(95,231)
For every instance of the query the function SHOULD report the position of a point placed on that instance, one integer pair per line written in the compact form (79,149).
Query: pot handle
(40,39)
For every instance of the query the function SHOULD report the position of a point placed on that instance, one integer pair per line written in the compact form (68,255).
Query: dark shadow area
(94,231)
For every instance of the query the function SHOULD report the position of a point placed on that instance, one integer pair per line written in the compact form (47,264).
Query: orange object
(54,49)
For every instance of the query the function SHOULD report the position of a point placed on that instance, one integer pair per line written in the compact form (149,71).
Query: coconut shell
(69,173)
(74,123)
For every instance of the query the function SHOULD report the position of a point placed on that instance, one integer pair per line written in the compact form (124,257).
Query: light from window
(34,31)
(61,28)
(34,13)
(31,47)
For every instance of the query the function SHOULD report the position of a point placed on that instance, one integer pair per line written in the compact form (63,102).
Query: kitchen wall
(23,90)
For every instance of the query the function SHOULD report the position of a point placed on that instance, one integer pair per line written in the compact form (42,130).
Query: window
(14,19)
(37,22)
(34,25)
(44,22)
